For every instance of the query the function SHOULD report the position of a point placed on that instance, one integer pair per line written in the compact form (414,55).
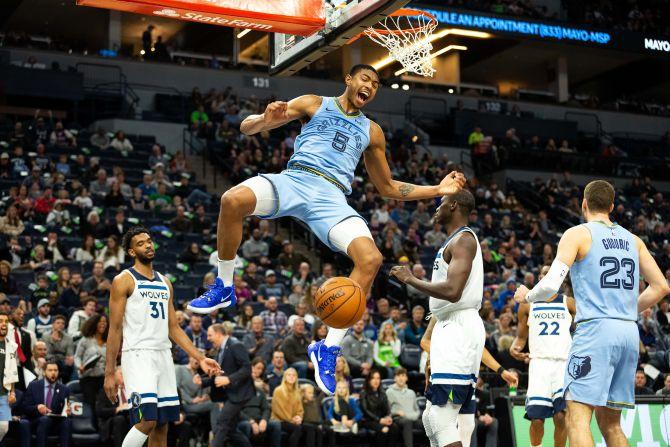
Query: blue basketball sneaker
(323,358)
(217,296)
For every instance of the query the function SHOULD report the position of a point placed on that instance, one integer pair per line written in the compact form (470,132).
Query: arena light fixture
(142,52)
(243,33)
(405,87)
(438,35)
(451,90)
(435,54)
(395,86)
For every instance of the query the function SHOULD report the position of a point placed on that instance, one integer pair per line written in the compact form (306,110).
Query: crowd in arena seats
(68,200)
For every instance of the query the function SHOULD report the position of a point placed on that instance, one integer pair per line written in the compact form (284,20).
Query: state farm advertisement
(300,17)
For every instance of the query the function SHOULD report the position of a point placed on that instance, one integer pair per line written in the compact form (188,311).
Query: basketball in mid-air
(339,302)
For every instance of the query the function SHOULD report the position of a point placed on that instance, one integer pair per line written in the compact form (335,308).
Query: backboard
(290,53)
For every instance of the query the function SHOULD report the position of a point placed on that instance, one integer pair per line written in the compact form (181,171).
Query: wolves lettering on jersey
(332,142)
(145,321)
(549,329)
(606,281)
(471,298)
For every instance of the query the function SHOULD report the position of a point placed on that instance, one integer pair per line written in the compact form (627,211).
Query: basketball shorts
(600,370)
(151,385)
(545,388)
(311,199)
(456,350)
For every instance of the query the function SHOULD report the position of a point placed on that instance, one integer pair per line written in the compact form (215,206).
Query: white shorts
(456,350)
(545,388)
(151,385)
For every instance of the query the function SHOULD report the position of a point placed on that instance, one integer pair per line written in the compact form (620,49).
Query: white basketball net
(407,39)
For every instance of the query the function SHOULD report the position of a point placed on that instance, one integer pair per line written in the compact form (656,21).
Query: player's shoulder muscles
(463,248)
(304,106)
(122,285)
(574,245)
(377,138)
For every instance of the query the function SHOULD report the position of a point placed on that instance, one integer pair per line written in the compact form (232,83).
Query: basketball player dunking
(605,262)
(313,188)
(141,306)
(455,292)
(546,327)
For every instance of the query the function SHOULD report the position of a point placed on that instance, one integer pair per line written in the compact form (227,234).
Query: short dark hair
(57,317)
(130,234)
(400,371)
(599,195)
(87,300)
(465,200)
(360,67)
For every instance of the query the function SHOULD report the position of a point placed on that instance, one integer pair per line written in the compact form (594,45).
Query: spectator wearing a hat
(41,292)
(41,324)
(289,259)
(271,288)
(5,304)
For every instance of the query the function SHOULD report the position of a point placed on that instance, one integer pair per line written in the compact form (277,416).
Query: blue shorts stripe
(149,395)
(545,399)
(167,399)
(548,308)
(453,376)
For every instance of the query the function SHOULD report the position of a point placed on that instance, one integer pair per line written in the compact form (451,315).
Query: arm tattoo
(405,189)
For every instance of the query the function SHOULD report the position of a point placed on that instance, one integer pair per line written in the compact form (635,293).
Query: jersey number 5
(154,310)
(340,141)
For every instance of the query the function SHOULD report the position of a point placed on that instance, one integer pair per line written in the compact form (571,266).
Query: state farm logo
(167,13)
(196,17)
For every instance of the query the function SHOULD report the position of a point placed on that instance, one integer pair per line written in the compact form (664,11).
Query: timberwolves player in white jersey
(545,325)
(605,263)
(455,291)
(466,415)
(141,311)
(335,135)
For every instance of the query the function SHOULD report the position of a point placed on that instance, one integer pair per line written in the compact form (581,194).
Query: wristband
(500,370)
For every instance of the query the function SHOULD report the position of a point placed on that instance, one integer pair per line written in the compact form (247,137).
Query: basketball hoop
(406,34)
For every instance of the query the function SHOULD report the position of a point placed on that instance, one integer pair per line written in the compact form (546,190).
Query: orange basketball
(339,302)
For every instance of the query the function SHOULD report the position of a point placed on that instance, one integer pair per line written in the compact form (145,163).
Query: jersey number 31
(155,313)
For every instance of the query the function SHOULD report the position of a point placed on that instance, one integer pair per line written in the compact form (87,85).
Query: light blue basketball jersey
(332,143)
(606,281)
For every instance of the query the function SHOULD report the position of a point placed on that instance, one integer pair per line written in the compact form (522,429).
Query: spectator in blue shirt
(505,295)
(198,336)
(416,327)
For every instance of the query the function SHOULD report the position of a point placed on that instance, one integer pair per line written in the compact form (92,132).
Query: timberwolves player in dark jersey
(335,135)
(605,262)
